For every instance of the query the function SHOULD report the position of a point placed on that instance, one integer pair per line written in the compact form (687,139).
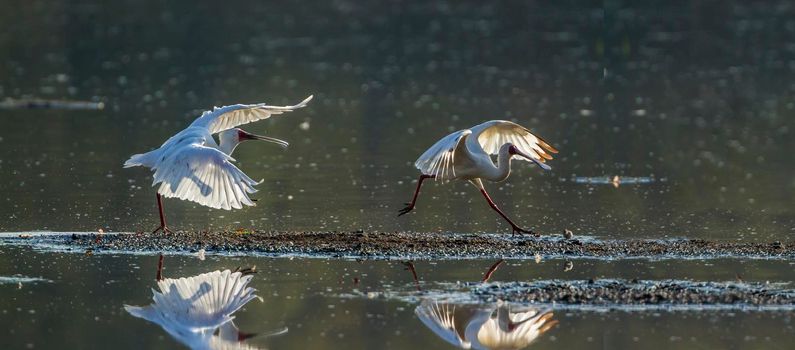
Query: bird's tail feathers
(135,160)
(145,159)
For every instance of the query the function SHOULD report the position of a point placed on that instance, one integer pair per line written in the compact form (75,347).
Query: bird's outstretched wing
(438,160)
(439,318)
(197,303)
(511,330)
(204,175)
(227,117)
(492,134)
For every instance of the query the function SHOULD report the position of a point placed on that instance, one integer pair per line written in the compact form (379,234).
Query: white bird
(192,166)
(492,328)
(466,155)
(197,311)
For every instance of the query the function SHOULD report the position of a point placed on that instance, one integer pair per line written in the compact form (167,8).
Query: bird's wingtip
(305,101)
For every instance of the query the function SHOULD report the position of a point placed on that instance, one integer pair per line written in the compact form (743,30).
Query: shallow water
(324,303)
(697,98)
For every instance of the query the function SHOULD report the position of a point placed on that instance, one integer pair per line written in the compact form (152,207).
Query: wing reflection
(197,310)
(494,327)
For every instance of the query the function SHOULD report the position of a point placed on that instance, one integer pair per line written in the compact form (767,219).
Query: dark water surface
(339,304)
(695,99)
(699,97)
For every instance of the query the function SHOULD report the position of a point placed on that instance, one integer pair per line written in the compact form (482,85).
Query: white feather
(512,330)
(204,175)
(440,319)
(227,117)
(191,166)
(490,328)
(439,159)
(192,309)
(468,151)
(492,134)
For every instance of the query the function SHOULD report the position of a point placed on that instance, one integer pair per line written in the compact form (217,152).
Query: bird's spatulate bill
(244,135)
(540,163)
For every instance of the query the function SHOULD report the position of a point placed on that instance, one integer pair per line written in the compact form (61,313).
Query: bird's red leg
(159,276)
(162,217)
(410,267)
(491,270)
(516,228)
(410,206)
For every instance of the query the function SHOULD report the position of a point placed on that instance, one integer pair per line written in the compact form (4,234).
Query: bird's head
(229,139)
(513,150)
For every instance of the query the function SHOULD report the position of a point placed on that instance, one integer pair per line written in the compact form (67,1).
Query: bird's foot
(409,207)
(163,228)
(521,231)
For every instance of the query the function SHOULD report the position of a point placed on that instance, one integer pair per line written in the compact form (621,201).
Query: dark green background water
(700,96)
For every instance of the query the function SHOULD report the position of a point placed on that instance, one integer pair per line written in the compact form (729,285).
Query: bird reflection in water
(197,310)
(494,327)
(409,266)
(482,327)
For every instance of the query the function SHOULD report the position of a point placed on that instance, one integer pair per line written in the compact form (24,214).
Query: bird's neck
(503,169)
(473,328)
(227,144)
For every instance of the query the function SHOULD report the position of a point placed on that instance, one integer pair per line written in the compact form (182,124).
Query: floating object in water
(494,327)
(466,155)
(50,104)
(19,280)
(538,258)
(200,254)
(615,181)
(192,166)
(567,234)
(568,266)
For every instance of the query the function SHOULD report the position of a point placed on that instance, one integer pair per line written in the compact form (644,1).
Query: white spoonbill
(496,327)
(198,310)
(466,155)
(192,166)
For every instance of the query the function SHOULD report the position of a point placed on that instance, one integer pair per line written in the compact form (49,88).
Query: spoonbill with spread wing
(495,327)
(466,155)
(192,166)
(198,310)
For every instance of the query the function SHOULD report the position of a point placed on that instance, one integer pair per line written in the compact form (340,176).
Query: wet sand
(422,245)
(637,293)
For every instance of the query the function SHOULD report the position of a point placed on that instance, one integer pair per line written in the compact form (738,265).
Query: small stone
(568,234)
